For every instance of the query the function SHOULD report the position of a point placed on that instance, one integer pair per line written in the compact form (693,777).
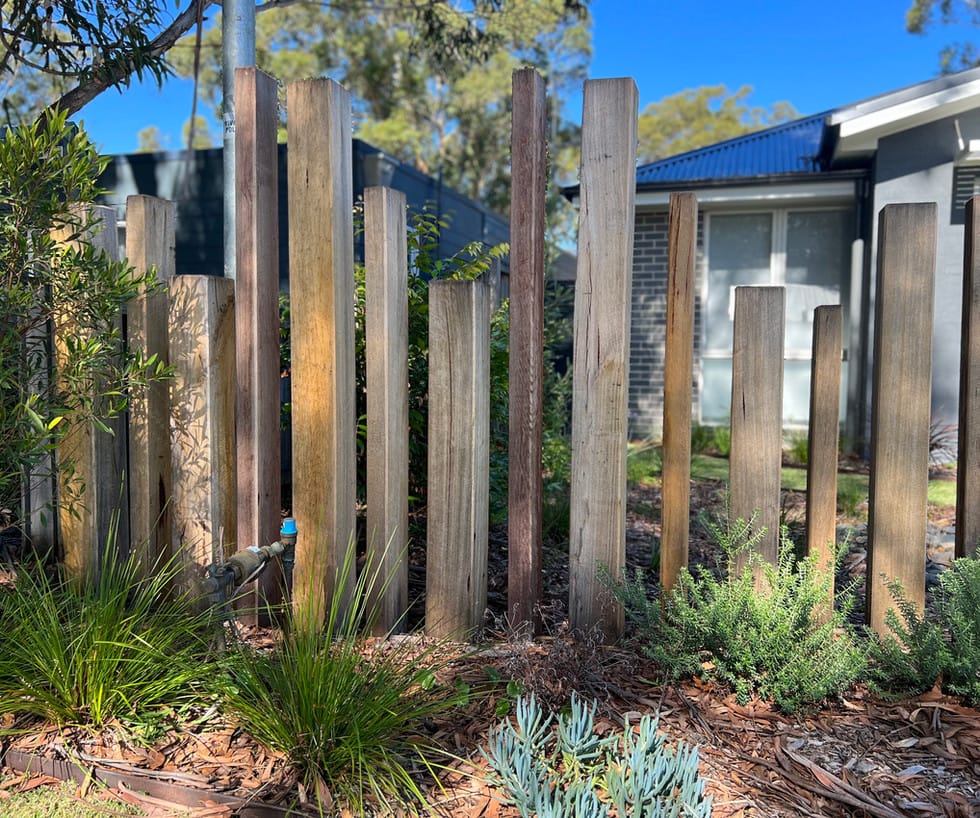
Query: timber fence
(204,470)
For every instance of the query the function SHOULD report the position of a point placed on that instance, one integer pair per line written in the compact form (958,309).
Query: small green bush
(570,770)
(922,650)
(711,440)
(799,448)
(122,647)
(780,644)
(352,724)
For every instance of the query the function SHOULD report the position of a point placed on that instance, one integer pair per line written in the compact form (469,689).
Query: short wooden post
(96,487)
(824,435)
(150,243)
(527,218)
(459,457)
(901,383)
(321,272)
(757,412)
(257,324)
(601,349)
(968,448)
(386,352)
(678,365)
(202,399)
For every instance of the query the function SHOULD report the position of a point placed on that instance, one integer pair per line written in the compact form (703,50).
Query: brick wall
(648,324)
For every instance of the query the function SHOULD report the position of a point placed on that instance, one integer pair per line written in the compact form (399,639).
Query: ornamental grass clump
(926,650)
(117,648)
(775,639)
(570,770)
(351,721)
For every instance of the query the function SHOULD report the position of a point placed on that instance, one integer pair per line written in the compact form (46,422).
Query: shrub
(573,771)
(351,724)
(922,651)
(60,288)
(780,643)
(121,647)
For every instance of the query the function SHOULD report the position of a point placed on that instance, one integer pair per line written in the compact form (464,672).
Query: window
(807,252)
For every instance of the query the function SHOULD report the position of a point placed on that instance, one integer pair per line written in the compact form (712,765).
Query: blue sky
(815,55)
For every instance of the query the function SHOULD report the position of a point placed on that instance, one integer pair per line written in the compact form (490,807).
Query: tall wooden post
(459,457)
(678,364)
(96,487)
(321,272)
(757,412)
(150,243)
(901,383)
(968,448)
(527,218)
(257,324)
(824,435)
(386,353)
(202,399)
(602,339)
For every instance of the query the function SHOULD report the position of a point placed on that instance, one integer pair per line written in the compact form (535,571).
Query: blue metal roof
(792,147)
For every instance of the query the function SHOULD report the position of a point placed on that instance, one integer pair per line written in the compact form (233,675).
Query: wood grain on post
(150,243)
(459,458)
(968,433)
(526,388)
(96,486)
(601,352)
(321,283)
(386,353)
(678,366)
(202,401)
(757,413)
(824,435)
(257,326)
(901,389)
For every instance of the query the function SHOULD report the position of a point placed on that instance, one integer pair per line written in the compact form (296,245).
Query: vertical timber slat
(968,448)
(901,387)
(824,434)
(321,272)
(757,412)
(202,400)
(678,374)
(99,459)
(459,457)
(601,352)
(386,352)
(257,324)
(527,221)
(150,242)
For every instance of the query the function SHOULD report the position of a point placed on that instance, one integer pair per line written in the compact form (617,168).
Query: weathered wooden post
(678,363)
(757,412)
(202,399)
(386,353)
(824,434)
(259,466)
(321,273)
(96,486)
(150,243)
(459,457)
(526,388)
(901,383)
(601,348)
(968,446)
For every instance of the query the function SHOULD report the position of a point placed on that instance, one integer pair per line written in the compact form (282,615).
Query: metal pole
(237,50)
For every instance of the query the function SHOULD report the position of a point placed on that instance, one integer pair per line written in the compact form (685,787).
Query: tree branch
(72,101)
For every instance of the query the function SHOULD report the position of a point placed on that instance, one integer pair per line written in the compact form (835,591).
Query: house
(194,181)
(797,205)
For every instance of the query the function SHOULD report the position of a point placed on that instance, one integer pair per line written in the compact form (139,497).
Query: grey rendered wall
(917,166)
(649,322)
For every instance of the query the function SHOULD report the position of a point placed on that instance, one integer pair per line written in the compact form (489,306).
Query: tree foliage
(702,116)
(431,82)
(923,14)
